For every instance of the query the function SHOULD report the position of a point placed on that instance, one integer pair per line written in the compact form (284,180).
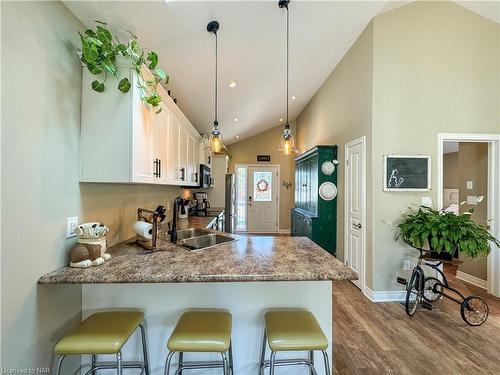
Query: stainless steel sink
(206,241)
(190,233)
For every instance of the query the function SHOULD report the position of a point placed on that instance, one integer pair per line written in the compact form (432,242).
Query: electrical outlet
(470,185)
(471,199)
(406,264)
(71,224)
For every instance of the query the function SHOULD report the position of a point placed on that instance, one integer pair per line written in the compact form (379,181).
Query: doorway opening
(257,198)
(468,167)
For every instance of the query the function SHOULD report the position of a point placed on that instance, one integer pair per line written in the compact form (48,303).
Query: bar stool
(104,333)
(202,331)
(292,330)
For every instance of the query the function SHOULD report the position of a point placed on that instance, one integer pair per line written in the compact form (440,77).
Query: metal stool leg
(119,364)
(311,360)
(231,364)
(271,363)
(168,361)
(94,360)
(263,354)
(59,364)
(224,364)
(327,362)
(181,362)
(144,349)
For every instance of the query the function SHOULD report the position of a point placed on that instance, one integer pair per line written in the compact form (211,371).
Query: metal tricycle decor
(443,232)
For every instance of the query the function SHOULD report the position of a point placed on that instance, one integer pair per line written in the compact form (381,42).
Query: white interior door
(262,190)
(355,207)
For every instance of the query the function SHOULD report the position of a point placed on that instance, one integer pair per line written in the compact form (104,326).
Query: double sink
(197,239)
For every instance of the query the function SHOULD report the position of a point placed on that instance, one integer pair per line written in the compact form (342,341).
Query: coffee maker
(202,203)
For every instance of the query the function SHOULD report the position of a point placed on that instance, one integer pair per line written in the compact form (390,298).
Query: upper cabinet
(124,140)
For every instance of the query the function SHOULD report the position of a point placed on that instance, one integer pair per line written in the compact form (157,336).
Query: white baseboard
(472,279)
(385,296)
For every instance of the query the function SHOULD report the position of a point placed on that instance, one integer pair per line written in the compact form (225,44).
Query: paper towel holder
(155,218)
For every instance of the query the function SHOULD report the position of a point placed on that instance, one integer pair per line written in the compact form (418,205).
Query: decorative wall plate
(327,168)
(327,191)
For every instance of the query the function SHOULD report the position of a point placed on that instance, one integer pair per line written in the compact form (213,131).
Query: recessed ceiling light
(281,119)
(237,136)
(236,119)
(233,84)
(293,98)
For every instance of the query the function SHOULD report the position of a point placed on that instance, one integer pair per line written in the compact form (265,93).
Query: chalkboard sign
(407,173)
(263,157)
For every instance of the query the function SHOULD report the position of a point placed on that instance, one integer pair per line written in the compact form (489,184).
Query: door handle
(356,226)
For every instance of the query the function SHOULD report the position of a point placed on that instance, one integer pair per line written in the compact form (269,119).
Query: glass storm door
(262,190)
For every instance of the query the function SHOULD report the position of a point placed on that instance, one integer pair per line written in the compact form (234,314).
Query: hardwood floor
(379,338)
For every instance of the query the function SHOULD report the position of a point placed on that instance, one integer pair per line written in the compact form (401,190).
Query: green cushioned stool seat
(294,330)
(101,333)
(202,331)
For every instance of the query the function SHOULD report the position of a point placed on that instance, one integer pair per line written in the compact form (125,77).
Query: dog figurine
(90,249)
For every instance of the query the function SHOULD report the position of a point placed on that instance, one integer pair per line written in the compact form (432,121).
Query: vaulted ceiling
(251,51)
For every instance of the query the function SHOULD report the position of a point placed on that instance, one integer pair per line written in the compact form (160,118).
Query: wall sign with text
(263,157)
(407,172)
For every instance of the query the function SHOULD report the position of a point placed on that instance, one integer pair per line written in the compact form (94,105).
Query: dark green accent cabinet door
(313,216)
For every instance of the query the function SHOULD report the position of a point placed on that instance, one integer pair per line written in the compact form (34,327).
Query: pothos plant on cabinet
(99,52)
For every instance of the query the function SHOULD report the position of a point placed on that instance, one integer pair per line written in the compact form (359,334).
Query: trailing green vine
(100,50)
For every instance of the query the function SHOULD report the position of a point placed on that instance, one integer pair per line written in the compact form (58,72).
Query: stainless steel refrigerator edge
(230,204)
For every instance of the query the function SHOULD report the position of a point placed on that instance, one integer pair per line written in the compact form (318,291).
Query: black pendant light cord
(216,121)
(287,61)
(213,27)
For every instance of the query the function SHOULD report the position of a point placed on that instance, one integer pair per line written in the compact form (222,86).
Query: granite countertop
(251,258)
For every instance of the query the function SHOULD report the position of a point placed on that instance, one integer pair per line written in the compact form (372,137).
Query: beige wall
(340,112)
(416,71)
(450,170)
(435,69)
(473,166)
(266,143)
(41,96)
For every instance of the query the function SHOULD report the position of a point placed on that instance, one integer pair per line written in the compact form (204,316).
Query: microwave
(206,180)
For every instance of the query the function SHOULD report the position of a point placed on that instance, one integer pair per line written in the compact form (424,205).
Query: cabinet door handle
(155,162)
(159,168)
(195,176)
(182,173)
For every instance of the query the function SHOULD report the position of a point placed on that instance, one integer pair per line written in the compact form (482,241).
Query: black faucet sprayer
(172,230)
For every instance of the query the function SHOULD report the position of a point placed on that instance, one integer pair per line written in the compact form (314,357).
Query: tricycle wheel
(413,294)
(474,310)
(433,289)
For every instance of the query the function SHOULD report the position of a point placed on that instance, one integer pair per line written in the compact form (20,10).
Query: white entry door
(355,175)
(262,190)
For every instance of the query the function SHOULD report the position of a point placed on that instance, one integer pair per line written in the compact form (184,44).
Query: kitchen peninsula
(247,277)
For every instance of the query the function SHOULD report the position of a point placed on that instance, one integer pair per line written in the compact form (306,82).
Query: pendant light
(215,140)
(287,142)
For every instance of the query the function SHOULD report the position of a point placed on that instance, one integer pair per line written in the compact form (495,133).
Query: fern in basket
(445,232)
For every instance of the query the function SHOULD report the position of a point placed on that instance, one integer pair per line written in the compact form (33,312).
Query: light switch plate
(427,201)
(71,224)
(406,265)
(470,185)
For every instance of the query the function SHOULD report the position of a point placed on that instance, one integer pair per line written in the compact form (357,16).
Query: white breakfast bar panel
(247,301)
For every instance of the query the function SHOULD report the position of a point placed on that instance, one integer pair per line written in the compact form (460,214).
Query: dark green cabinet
(313,216)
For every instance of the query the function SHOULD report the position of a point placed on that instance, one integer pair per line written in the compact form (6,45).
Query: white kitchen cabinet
(124,140)
(162,141)
(183,154)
